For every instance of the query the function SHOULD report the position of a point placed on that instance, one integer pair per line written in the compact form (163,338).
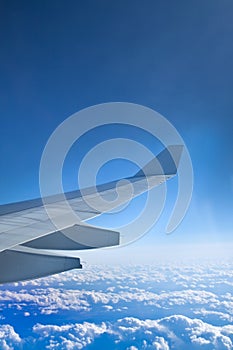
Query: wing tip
(165,163)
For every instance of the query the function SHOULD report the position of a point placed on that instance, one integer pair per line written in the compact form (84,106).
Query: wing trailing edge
(20,266)
(76,237)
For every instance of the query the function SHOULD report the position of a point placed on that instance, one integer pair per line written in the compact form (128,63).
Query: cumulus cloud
(220,315)
(116,289)
(51,300)
(173,332)
(74,336)
(9,339)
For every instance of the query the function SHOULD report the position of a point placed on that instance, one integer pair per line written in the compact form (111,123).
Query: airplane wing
(31,246)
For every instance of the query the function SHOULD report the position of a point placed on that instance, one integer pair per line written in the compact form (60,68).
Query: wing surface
(28,236)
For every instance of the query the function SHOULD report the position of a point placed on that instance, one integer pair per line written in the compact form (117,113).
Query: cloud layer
(173,332)
(133,307)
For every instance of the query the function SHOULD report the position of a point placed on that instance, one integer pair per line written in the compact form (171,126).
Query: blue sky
(175,57)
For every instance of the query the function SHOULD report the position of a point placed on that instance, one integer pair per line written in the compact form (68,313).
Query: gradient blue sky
(58,57)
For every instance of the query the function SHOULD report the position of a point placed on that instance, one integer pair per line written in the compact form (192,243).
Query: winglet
(166,162)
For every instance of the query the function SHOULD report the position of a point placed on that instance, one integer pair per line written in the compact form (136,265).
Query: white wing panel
(23,226)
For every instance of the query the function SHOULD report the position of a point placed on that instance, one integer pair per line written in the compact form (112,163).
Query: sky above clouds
(57,58)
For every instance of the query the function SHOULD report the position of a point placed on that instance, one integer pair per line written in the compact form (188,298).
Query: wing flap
(20,266)
(43,236)
(76,237)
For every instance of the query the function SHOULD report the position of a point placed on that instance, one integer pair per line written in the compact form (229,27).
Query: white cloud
(9,339)
(119,288)
(51,300)
(195,290)
(173,332)
(74,336)
(221,315)
(108,307)
(160,344)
